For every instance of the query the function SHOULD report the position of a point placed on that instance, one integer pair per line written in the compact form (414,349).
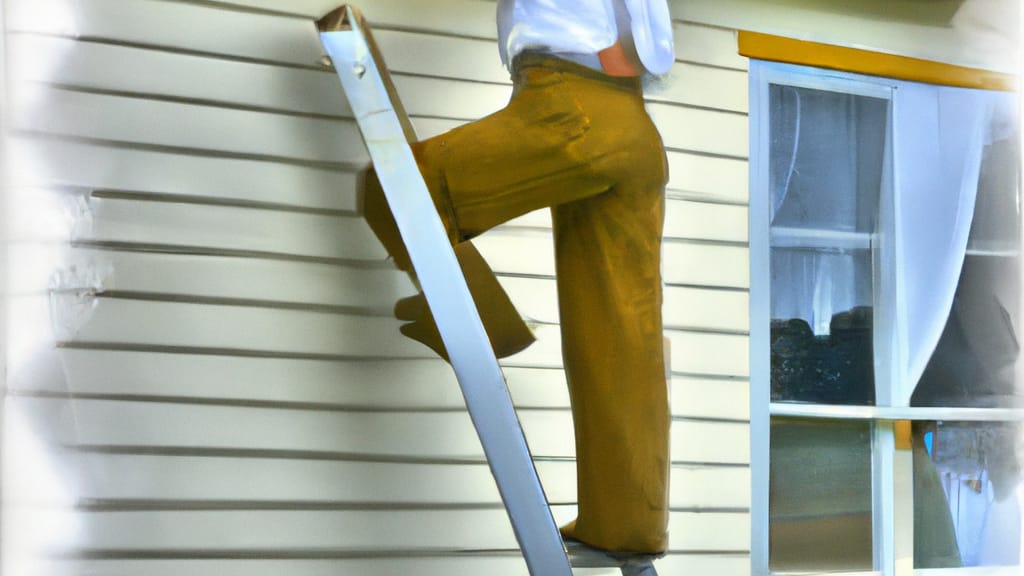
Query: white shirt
(579,29)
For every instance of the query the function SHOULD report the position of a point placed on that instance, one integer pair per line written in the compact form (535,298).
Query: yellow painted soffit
(781,49)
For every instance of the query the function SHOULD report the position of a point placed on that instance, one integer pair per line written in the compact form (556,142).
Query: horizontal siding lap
(449,98)
(155,73)
(442,56)
(518,252)
(684,219)
(150,482)
(242,482)
(707,265)
(148,424)
(708,45)
(474,18)
(709,354)
(190,26)
(684,307)
(707,178)
(357,530)
(705,309)
(168,482)
(185,126)
(87,65)
(696,397)
(424,384)
(705,221)
(682,129)
(261,281)
(52,162)
(244,329)
(223,329)
(297,530)
(708,131)
(384,565)
(698,85)
(701,443)
(443,435)
(229,229)
(536,298)
(691,176)
(429,127)
(44,215)
(735,564)
(709,488)
(712,265)
(709,531)
(196,27)
(545,352)
(412,384)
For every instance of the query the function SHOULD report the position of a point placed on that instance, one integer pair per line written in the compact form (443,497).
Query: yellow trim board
(789,50)
(904,434)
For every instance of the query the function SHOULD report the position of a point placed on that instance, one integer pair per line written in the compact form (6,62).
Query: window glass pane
(967,494)
(996,224)
(973,364)
(826,163)
(820,495)
(826,158)
(821,335)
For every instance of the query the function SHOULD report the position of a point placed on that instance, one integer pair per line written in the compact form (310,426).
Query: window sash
(892,469)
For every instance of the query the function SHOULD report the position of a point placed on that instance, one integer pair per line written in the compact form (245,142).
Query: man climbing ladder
(575,137)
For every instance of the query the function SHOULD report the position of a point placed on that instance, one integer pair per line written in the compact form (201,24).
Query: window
(885,248)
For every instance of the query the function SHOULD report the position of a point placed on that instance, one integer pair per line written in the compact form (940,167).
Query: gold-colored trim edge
(792,51)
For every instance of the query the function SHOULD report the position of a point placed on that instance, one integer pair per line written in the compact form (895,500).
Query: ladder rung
(583,556)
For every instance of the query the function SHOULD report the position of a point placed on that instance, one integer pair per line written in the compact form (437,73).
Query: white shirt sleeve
(555,26)
(584,27)
(651,25)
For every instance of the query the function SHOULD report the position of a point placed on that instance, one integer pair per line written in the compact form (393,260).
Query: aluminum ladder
(387,132)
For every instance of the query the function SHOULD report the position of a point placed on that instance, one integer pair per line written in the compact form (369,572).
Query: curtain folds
(939,139)
(872,206)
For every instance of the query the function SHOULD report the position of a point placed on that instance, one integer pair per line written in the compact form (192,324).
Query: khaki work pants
(581,143)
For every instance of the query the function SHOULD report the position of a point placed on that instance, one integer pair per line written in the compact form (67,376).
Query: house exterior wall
(974,33)
(204,376)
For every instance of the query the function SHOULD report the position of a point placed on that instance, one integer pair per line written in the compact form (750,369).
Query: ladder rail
(387,134)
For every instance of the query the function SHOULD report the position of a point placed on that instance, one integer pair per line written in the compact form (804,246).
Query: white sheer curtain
(827,175)
(939,137)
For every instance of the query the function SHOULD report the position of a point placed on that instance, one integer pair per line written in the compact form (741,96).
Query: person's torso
(578,30)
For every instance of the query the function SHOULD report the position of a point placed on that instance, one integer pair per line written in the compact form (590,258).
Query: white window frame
(892,469)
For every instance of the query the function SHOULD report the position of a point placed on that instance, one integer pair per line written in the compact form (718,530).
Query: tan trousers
(581,143)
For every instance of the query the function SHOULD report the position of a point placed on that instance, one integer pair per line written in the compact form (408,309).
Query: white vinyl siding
(224,390)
